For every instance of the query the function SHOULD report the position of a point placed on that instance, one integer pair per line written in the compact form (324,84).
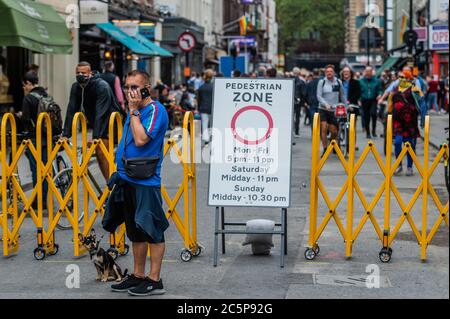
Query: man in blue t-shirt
(145,221)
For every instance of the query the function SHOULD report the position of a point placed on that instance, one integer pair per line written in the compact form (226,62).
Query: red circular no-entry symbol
(247,109)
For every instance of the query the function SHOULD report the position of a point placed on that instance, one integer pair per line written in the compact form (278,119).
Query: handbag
(139,168)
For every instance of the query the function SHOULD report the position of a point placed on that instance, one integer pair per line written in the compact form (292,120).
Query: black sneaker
(148,287)
(129,282)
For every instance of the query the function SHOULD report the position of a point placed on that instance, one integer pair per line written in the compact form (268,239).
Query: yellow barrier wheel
(55,251)
(113,252)
(39,253)
(385,255)
(186,255)
(198,251)
(317,250)
(310,254)
(126,250)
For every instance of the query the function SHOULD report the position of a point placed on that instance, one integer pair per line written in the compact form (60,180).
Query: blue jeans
(423,110)
(33,168)
(432,99)
(399,140)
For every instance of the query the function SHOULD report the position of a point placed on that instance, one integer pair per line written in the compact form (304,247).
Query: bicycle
(57,166)
(343,116)
(63,181)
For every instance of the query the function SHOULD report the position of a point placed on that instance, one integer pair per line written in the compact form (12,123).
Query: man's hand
(134,100)
(328,107)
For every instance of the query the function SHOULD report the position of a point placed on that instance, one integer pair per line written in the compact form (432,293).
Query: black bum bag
(139,168)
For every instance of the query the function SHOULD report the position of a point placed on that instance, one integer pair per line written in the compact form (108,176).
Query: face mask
(82,79)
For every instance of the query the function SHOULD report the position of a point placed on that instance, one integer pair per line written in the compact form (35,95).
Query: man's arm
(392,87)
(320,98)
(102,109)
(140,136)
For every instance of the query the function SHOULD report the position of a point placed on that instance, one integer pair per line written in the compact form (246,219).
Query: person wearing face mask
(94,98)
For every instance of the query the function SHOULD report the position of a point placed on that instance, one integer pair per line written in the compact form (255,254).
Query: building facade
(57,72)
(430,21)
(364,31)
(262,29)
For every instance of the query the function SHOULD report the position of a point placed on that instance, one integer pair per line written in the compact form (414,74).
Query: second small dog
(106,266)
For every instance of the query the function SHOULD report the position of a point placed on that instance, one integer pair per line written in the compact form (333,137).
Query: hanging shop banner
(251,143)
(439,37)
(93,12)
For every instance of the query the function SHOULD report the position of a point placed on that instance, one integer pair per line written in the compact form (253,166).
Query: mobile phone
(145,93)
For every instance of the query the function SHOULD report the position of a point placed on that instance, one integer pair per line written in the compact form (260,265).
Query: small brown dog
(107,268)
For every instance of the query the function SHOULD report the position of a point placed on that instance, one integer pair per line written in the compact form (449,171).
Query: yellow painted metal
(351,167)
(81,192)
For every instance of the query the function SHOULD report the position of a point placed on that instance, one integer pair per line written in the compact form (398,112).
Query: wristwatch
(135,113)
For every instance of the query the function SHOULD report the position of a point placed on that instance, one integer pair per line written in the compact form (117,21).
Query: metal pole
(411,17)
(216,238)
(368,44)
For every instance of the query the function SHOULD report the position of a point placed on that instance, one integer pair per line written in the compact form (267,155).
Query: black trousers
(297,110)
(370,113)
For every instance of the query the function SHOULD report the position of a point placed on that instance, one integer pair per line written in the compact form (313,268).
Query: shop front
(27,29)
(439,47)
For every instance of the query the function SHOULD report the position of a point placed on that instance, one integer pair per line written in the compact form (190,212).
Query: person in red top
(432,98)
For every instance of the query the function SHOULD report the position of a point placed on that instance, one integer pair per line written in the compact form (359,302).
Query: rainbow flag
(403,27)
(243,24)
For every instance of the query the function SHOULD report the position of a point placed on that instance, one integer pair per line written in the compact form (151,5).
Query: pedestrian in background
(113,80)
(432,97)
(311,94)
(33,93)
(370,92)
(405,114)
(352,90)
(205,101)
(94,98)
(441,96)
(300,86)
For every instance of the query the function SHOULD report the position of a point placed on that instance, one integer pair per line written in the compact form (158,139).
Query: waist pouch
(140,168)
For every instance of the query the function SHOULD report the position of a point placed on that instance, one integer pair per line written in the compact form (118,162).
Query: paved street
(241,275)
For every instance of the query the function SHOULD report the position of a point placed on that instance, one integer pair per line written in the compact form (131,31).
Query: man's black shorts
(134,233)
(328,116)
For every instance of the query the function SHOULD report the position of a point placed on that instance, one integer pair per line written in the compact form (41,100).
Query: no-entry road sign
(251,143)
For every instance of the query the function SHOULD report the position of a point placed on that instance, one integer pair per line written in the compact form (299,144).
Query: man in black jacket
(205,100)
(29,115)
(311,95)
(93,97)
(300,85)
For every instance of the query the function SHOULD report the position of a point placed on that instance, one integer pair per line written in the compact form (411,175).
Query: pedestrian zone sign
(251,143)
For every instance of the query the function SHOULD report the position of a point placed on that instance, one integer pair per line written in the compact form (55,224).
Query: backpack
(47,104)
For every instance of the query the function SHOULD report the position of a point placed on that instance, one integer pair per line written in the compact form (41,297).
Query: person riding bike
(330,92)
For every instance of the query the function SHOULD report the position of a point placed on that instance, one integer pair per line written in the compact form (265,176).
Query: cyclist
(330,92)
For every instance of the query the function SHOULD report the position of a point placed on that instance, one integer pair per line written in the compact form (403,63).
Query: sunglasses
(130,88)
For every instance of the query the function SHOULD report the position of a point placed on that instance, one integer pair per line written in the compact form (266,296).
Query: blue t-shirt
(155,120)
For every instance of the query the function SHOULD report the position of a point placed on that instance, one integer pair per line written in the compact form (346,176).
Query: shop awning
(124,38)
(34,26)
(157,50)
(389,63)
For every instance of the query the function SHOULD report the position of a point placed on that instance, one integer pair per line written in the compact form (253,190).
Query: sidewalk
(438,123)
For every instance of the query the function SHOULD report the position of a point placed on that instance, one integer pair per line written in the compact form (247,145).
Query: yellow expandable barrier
(11,219)
(351,166)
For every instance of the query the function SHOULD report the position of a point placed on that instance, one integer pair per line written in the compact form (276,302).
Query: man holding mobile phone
(141,204)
